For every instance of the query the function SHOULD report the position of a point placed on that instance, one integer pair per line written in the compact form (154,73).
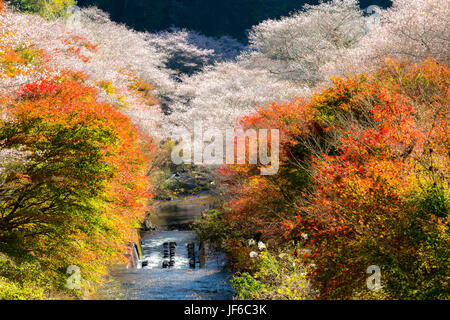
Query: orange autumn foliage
(89,155)
(363,173)
(383,198)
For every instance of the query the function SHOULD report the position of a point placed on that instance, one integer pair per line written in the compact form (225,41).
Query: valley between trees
(360,99)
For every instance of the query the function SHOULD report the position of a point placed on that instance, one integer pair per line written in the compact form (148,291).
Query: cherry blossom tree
(221,94)
(295,47)
(189,51)
(409,30)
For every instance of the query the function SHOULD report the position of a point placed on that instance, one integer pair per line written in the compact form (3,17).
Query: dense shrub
(274,277)
(79,191)
(382,199)
(46,8)
(362,181)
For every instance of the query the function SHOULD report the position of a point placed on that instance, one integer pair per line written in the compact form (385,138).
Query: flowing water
(190,277)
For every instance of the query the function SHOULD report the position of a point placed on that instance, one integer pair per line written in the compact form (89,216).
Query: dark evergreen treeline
(210,17)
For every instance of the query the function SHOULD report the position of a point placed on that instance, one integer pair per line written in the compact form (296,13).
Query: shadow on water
(180,281)
(181,211)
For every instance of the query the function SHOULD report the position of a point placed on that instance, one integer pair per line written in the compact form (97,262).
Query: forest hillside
(359,102)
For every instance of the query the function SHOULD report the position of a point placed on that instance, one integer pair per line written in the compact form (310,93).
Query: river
(188,277)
